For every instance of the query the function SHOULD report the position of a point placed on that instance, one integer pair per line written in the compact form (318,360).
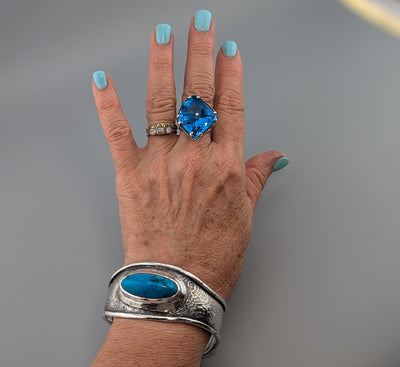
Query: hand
(182,201)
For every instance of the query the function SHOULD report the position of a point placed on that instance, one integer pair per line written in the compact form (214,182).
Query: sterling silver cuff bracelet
(156,291)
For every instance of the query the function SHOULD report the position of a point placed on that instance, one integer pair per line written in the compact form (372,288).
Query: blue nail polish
(163,33)
(202,20)
(229,48)
(280,163)
(100,79)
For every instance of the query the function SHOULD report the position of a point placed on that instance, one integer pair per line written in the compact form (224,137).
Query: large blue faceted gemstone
(196,116)
(149,285)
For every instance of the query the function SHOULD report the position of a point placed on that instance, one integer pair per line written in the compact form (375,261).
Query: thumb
(258,170)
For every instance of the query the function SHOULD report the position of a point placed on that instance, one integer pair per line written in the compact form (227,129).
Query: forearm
(142,343)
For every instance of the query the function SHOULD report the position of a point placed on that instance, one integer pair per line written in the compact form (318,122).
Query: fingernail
(229,48)
(163,33)
(202,20)
(100,79)
(280,163)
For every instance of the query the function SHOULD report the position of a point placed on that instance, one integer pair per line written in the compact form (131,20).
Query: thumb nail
(280,163)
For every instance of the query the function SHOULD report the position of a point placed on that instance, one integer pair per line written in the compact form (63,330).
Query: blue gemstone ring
(196,117)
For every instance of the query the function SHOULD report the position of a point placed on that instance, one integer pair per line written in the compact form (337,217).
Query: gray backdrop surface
(321,283)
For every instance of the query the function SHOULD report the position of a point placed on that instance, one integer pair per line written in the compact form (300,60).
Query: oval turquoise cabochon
(149,285)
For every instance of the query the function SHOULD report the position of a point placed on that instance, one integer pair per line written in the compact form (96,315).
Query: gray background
(321,283)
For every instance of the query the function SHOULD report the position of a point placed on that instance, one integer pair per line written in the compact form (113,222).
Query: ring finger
(161,97)
(199,72)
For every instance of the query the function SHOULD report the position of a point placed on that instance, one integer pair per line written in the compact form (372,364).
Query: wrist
(135,342)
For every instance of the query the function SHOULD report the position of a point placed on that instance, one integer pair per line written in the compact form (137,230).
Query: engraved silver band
(194,303)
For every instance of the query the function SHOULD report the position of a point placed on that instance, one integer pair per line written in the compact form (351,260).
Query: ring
(196,117)
(161,128)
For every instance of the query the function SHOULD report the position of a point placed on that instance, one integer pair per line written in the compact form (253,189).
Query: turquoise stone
(149,285)
(196,116)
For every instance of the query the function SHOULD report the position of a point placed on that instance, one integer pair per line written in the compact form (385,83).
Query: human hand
(182,201)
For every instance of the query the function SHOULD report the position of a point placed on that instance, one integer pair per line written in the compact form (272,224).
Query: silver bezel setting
(173,303)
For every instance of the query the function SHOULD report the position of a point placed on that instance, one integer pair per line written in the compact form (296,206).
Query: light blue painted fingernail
(202,20)
(163,33)
(280,163)
(229,48)
(100,79)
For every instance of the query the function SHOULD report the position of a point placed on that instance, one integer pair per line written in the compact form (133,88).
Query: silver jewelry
(161,128)
(164,292)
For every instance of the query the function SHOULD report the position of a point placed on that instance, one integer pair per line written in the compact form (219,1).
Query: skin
(184,202)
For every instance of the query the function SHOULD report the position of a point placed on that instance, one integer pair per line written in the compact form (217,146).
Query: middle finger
(199,72)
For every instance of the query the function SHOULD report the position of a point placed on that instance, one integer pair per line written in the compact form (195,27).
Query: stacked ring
(161,128)
(195,118)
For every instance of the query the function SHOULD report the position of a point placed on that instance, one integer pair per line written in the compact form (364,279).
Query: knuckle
(164,63)
(232,169)
(233,72)
(179,168)
(259,178)
(109,106)
(201,49)
(188,167)
(159,103)
(201,86)
(230,100)
(117,131)
(235,174)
